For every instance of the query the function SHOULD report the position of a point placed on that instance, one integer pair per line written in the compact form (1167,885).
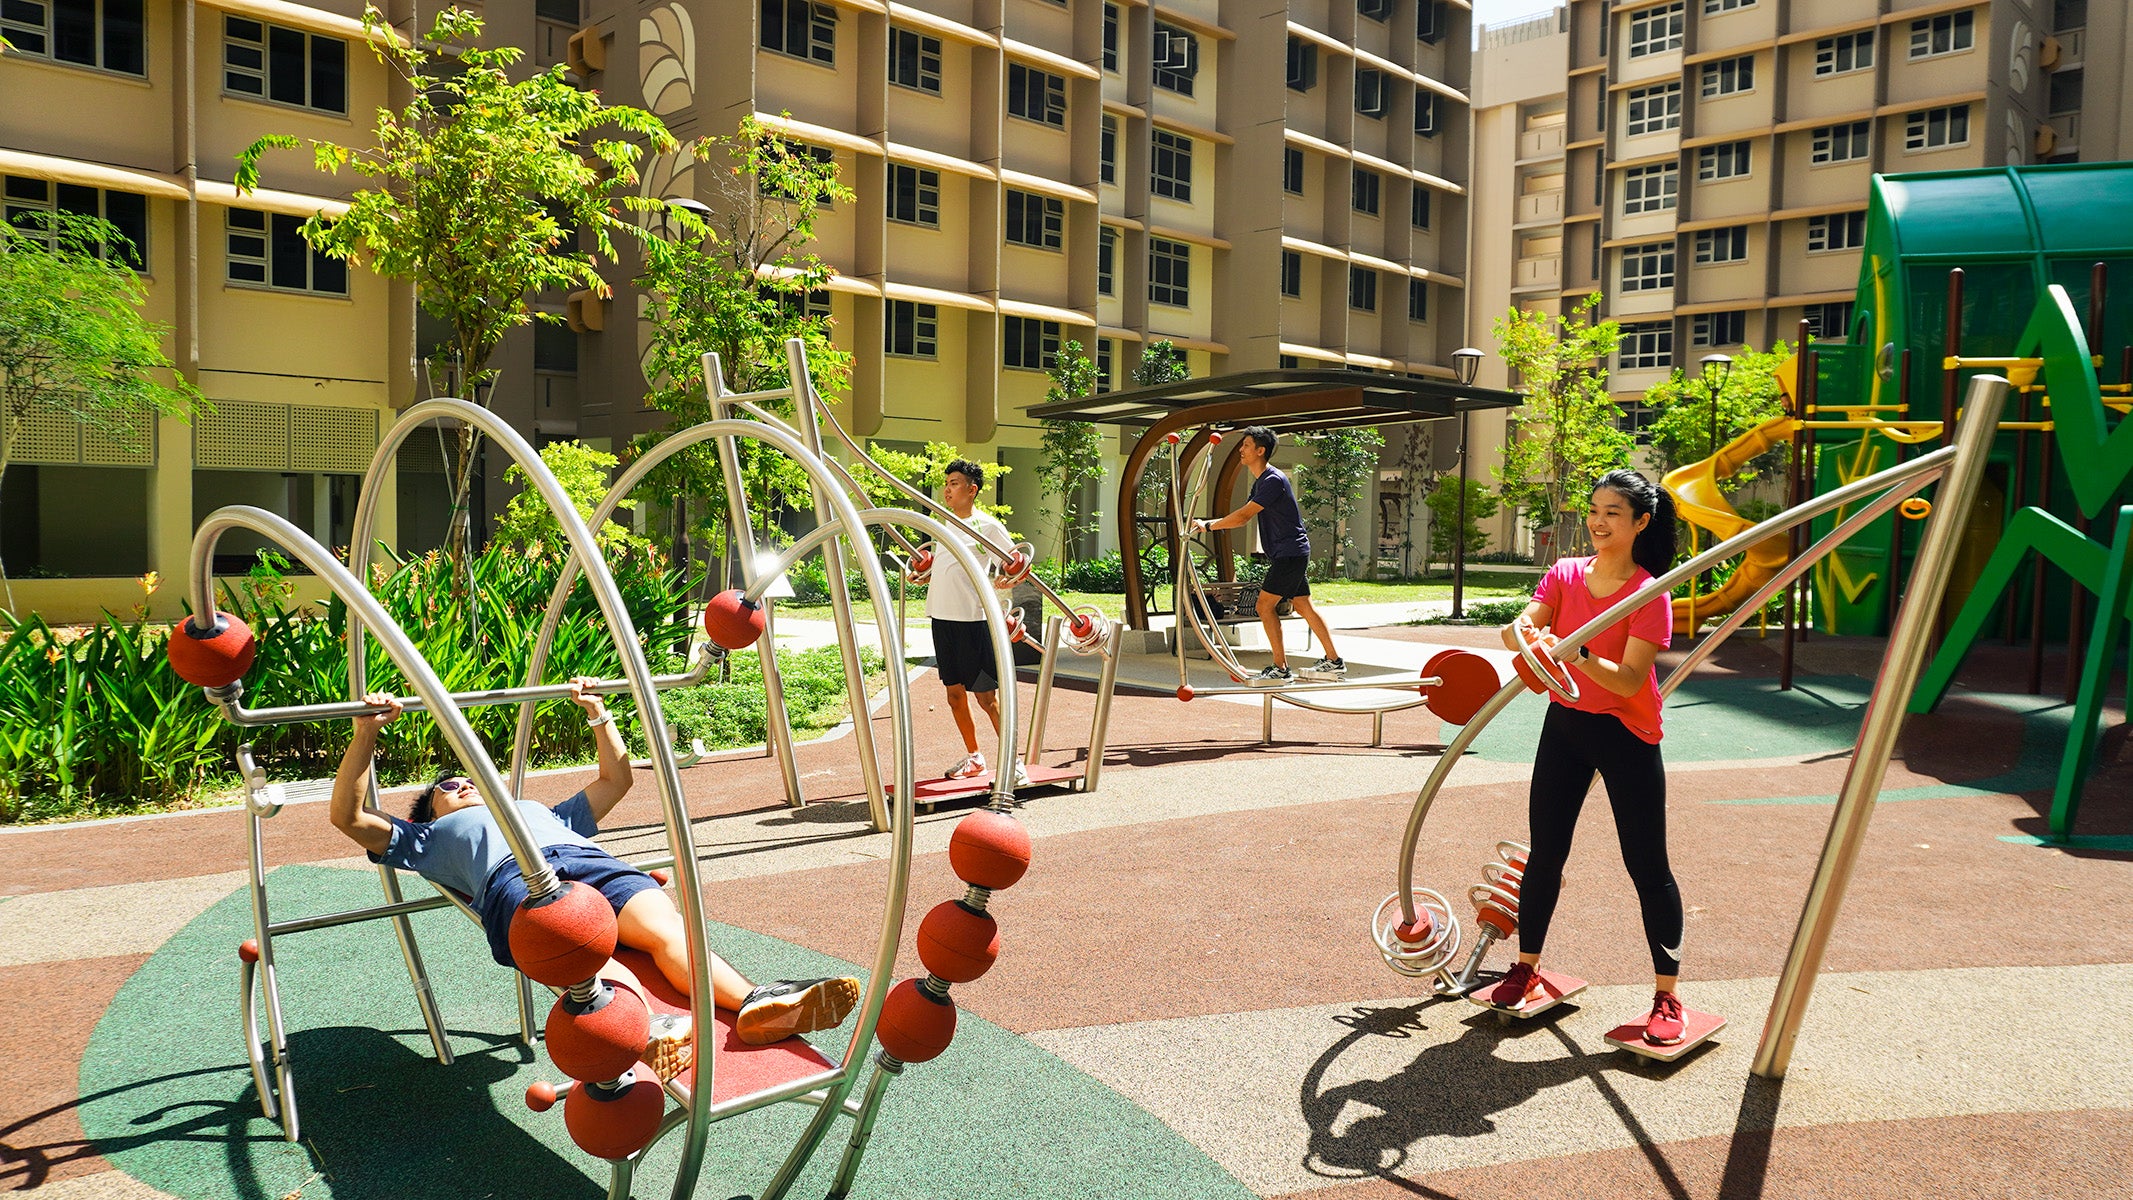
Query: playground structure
(614,1106)
(1416,929)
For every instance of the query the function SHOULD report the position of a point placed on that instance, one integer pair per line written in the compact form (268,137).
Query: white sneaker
(969,768)
(1326,669)
(1021,777)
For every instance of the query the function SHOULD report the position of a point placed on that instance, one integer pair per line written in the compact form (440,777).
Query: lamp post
(1465,362)
(1716,367)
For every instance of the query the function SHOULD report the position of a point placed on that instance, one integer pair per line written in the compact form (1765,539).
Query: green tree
(585,474)
(1569,431)
(1073,450)
(1332,489)
(482,187)
(72,337)
(733,277)
(1161,362)
(1680,432)
(1443,502)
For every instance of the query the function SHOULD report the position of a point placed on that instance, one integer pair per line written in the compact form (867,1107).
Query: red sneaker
(1520,985)
(1663,1027)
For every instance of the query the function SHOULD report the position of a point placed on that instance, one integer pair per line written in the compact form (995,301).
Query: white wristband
(596,722)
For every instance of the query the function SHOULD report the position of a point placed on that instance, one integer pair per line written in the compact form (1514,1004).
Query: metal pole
(1884,718)
(1041,702)
(1459,535)
(1100,723)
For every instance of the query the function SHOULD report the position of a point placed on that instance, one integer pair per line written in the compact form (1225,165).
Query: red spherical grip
(922,562)
(248,950)
(661,876)
(565,938)
(211,657)
(732,621)
(540,1095)
(598,1043)
(915,1026)
(616,1124)
(1185,692)
(989,849)
(958,942)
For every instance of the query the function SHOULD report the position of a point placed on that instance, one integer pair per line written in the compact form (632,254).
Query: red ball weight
(915,1027)
(989,849)
(957,942)
(922,562)
(598,1044)
(1526,676)
(564,939)
(1468,682)
(540,1095)
(248,950)
(616,1124)
(732,621)
(214,657)
(1185,692)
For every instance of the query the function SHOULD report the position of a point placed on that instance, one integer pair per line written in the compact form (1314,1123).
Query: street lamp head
(695,208)
(1465,362)
(1715,369)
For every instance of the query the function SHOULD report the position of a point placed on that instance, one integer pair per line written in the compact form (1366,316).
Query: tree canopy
(1569,431)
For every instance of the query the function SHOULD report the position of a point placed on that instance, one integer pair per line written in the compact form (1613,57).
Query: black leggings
(1573,746)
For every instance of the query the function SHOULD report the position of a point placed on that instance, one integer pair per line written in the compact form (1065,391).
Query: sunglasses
(453,785)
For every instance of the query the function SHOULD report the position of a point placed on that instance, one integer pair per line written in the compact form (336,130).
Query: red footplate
(1696,1028)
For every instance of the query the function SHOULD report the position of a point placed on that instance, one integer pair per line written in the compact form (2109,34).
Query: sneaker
(1521,986)
(1664,1026)
(1333,669)
(672,1047)
(776,1011)
(1021,776)
(969,768)
(1273,676)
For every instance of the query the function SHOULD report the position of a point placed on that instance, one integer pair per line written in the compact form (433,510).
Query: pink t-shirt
(1563,590)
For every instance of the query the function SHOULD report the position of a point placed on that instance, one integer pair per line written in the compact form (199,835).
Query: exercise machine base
(1696,1029)
(928,792)
(1558,988)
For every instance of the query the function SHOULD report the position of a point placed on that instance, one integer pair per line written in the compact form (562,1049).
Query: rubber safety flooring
(1187,1003)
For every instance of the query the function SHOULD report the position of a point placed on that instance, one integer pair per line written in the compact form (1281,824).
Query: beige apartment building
(1704,163)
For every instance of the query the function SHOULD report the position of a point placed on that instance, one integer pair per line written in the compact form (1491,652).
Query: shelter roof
(1306,399)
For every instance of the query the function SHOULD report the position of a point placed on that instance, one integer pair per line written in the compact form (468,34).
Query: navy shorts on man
(591,866)
(1285,577)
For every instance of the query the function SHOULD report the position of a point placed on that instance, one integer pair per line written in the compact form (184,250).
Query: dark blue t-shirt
(1281,526)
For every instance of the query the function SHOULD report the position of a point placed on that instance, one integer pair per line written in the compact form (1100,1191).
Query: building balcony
(1542,272)
(1541,143)
(1537,207)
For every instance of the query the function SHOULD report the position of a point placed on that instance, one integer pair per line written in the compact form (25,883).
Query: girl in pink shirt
(1611,731)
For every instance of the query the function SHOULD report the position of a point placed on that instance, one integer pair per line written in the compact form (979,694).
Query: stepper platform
(929,792)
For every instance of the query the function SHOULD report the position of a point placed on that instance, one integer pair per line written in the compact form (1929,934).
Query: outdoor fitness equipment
(617,1110)
(1538,667)
(1959,469)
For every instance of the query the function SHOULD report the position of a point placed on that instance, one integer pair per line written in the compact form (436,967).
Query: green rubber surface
(167,1096)
(1713,719)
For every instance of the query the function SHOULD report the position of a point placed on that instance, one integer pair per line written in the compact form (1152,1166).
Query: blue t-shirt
(1281,526)
(461,850)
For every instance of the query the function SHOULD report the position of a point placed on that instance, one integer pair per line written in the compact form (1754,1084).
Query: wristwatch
(1583,653)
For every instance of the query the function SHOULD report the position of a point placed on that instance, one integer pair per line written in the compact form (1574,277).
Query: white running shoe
(1274,676)
(1021,777)
(1331,670)
(969,768)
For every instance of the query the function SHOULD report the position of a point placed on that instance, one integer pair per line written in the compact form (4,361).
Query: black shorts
(589,865)
(962,653)
(1285,577)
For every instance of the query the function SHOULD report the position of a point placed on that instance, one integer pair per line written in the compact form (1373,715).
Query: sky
(1496,12)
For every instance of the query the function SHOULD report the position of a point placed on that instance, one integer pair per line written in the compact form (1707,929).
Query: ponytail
(1654,548)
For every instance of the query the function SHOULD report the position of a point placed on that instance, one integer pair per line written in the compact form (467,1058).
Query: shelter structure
(1286,401)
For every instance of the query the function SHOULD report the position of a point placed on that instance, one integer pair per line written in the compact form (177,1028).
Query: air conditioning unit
(2047,140)
(2048,57)
(587,52)
(585,311)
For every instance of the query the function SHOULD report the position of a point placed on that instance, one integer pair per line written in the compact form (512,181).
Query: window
(1648,268)
(801,29)
(1363,190)
(1654,109)
(1176,55)
(1418,208)
(914,195)
(87,33)
(1722,245)
(1107,151)
(268,250)
(1170,168)
(1712,8)
(1292,273)
(1944,34)
(1103,365)
(1292,170)
(1303,65)
(1726,161)
(1287,362)
(1646,346)
(821,154)
(1718,329)
(125,210)
(1838,231)
(1034,220)
(1169,272)
(1429,21)
(1655,30)
(813,303)
(1729,77)
(1363,289)
(1417,300)
(1107,261)
(1936,128)
(1373,92)
(1376,10)
(287,66)
(913,330)
(1111,37)
(1029,344)
(1650,189)
(1832,321)
(1839,143)
(1425,112)
(1845,52)
(914,60)
(2063,92)
(1035,95)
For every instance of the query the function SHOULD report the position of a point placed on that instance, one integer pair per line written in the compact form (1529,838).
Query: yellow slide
(1700,503)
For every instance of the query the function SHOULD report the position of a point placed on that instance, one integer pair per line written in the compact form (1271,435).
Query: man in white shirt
(962,645)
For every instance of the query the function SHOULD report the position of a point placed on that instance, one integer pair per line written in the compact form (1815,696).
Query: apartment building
(1718,151)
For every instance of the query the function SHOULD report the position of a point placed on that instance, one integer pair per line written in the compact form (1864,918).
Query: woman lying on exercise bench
(451,840)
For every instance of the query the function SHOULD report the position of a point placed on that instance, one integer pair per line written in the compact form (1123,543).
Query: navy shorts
(962,653)
(1285,577)
(589,865)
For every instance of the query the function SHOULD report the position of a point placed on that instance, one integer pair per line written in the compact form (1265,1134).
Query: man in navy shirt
(1288,550)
